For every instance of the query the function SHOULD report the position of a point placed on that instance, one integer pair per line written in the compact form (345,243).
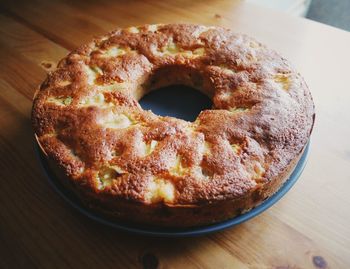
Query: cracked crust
(138,166)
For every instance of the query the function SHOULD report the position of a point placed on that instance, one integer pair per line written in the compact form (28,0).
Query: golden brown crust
(118,156)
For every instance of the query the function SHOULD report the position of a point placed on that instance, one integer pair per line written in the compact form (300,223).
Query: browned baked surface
(134,164)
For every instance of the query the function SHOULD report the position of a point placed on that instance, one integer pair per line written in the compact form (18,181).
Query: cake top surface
(87,118)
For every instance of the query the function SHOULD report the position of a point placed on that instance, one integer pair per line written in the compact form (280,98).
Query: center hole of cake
(177,101)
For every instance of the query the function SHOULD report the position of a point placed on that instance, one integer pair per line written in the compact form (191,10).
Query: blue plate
(166,102)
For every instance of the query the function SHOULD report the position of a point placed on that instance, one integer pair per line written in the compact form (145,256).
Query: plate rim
(176,232)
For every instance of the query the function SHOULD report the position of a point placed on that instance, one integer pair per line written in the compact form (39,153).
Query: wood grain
(308,228)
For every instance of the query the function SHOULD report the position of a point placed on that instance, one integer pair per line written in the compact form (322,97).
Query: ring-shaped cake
(133,165)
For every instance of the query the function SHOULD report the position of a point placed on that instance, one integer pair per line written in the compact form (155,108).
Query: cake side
(170,215)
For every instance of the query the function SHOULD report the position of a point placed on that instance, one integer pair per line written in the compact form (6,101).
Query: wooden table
(308,228)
